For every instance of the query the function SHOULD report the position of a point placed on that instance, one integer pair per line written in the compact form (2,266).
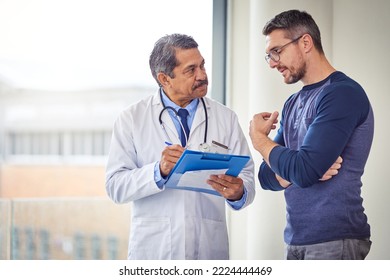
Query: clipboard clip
(212,156)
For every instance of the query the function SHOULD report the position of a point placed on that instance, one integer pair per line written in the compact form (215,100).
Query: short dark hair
(295,23)
(163,57)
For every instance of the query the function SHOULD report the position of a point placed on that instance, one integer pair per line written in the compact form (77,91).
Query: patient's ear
(307,42)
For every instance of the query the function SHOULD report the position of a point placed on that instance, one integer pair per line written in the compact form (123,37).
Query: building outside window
(67,69)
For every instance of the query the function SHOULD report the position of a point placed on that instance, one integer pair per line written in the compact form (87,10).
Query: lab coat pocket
(150,238)
(213,243)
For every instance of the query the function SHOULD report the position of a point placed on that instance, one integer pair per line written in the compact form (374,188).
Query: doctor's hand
(170,155)
(229,187)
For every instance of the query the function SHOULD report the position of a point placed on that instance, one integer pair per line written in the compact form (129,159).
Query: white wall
(356,39)
(361,42)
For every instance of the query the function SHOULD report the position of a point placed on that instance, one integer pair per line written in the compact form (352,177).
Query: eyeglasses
(275,54)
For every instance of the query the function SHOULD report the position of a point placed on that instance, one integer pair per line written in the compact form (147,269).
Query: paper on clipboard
(197,180)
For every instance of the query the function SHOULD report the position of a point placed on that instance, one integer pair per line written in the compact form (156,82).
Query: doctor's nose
(201,74)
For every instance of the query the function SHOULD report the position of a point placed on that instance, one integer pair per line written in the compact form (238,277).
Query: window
(75,67)
(82,63)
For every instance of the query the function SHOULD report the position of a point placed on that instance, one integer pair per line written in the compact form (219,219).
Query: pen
(168,143)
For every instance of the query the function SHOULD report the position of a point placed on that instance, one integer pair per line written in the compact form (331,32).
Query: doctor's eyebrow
(191,67)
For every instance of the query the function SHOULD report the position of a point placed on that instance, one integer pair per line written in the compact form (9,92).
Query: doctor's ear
(163,79)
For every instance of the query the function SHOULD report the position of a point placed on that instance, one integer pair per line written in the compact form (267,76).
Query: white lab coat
(169,223)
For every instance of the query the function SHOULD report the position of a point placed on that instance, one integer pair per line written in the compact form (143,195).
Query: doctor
(148,139)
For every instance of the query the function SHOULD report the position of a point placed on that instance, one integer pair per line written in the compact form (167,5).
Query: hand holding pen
(169,156)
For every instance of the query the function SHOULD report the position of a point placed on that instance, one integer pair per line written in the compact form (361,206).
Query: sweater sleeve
(266,175)
(339,110)
(267,178)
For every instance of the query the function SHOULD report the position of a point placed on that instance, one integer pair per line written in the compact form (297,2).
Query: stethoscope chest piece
(204,147)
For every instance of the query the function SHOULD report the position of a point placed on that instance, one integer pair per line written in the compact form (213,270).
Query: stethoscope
(204,147)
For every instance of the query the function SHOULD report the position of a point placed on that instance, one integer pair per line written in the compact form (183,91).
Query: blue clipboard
(195,160)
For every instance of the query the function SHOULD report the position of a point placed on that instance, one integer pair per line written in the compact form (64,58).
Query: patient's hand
(333,170)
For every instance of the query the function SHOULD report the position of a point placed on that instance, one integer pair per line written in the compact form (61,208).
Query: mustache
(201,83)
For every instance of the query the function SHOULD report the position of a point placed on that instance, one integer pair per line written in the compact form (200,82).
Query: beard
(296,74)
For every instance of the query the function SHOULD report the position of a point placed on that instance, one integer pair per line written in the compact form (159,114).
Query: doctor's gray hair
(163,57)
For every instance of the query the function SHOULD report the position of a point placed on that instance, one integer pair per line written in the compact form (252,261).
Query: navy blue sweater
(319,123)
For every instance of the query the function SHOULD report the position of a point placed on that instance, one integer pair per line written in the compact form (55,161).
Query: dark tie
(183,114)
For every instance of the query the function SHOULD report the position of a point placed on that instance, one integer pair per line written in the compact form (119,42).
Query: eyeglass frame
(276,52)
